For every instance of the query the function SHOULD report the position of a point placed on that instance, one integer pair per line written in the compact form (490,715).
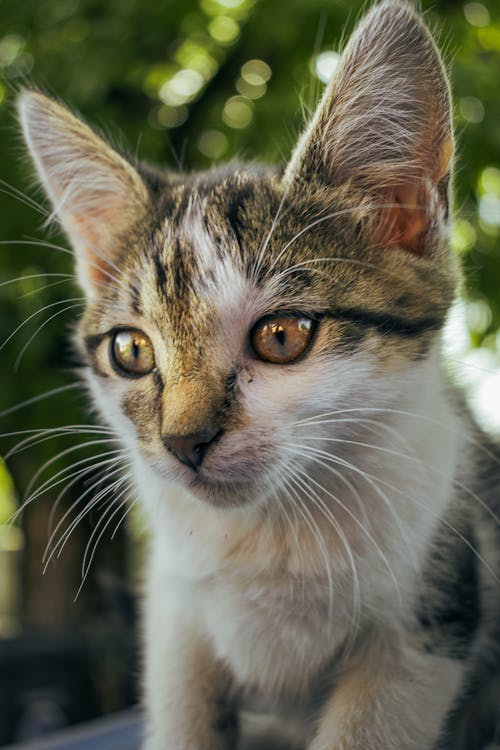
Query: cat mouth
(221,486)
(227,492)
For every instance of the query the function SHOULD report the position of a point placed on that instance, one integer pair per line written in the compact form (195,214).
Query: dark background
(182,83)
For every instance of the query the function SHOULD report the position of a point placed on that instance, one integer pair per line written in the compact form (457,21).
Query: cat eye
(132,352)
(281,339)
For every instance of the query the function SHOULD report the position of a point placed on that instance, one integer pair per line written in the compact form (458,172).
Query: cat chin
(223,494)
(219,493)
(240,484)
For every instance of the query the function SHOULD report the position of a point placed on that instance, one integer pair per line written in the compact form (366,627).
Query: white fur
(275,633)
(272,609)
(311,573)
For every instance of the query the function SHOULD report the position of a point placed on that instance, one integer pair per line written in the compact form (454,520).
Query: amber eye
(132,352)
(281,339)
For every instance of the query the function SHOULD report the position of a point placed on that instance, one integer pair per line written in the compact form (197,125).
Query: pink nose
(190,449)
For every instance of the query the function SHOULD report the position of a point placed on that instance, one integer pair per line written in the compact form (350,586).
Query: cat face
(197,285)
(226,309)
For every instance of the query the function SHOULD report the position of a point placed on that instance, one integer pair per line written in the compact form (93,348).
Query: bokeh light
(489,209)
(471,108)
(237,112)
(326,64)
(256,72)
(224,29)
(477,14)
(182,87)
(167,116)
(213,144)
(192,54)
(489,181)
(463,236)
(475,370)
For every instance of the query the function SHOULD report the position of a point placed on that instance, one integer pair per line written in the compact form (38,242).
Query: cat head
(227,308)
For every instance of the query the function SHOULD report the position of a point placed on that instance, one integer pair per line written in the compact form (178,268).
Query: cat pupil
(280,335)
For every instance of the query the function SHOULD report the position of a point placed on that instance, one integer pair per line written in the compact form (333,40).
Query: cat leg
(391,697)
(186,690)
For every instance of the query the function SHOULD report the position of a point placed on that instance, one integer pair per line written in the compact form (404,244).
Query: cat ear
(97,195)
(384,125)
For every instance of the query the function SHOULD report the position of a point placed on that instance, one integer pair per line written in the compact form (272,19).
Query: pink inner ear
(93,227)
(98,271)
(404,221)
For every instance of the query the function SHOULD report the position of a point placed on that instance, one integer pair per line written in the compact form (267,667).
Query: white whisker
(123,518)
(99,498)
(44,287)
(54,481)
(40,397)
(41,327)
(316,455)
(362,528)
(14,192)
(282,508)
(65,277)
(308,518)
(302,480)
(88,557)
(414,459)
(101,467)
(331,215)
(37,436)
(79,300)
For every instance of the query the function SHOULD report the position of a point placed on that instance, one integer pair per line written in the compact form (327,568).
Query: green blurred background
(187,84)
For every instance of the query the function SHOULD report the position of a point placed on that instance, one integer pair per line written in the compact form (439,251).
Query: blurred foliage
(188,84)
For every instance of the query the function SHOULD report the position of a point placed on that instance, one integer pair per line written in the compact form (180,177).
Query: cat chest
(273,638)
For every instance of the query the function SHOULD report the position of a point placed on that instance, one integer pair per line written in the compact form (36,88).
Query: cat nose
(190,449)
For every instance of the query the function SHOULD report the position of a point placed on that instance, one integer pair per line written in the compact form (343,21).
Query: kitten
(266,343)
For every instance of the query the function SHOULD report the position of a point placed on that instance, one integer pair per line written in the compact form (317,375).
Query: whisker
(122,519)
(37,436)
(14,192)
(40,327)
(38,243)
(31,495)
(262,251)
(47,286)
(46,486)
(300,478)
(370,424)
(303,448)
(67,251)
(416,460)
(316,532)
(362,528)
(306,265)
(107,261)
(51,531)
(88,558)
(316,454)
(440,519)
(100,496)
(59,546)
(80,300)
(36,276)
(281,507)
(51,549)
(332,215)
(40,397)
(98,468)
(416,415)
